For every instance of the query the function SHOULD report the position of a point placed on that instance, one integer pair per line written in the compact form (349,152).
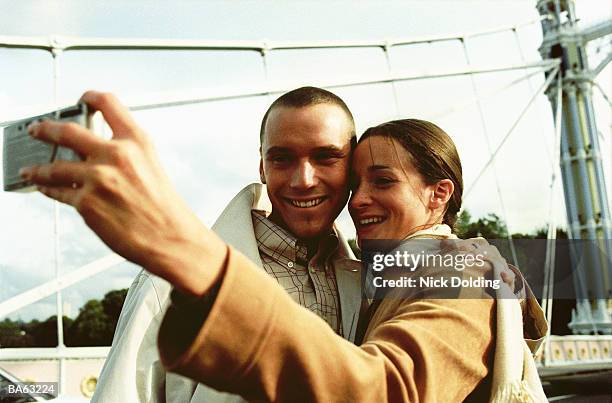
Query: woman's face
(390,199)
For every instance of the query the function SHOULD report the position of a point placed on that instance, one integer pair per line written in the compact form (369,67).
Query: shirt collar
(280,244)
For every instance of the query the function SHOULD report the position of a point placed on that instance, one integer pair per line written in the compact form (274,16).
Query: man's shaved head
(309,96)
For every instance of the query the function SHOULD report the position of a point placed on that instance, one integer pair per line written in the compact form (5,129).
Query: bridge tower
(586,200)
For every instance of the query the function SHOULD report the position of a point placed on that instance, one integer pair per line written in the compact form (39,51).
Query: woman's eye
(382,181)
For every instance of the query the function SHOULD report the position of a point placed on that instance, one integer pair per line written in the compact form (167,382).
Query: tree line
(94,326)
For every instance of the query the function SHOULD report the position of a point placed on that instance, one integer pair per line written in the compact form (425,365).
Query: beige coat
(259,343)
(133,371)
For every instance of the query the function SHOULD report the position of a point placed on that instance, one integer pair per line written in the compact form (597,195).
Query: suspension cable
(529,83)
(489,94)
(485,130)
(386,49)
(542,88)
(551,236)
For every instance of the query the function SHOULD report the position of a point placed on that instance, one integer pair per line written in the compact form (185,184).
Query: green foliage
(493,227)
(490,227)
(463,221)
(353,244)
(113,302)
(94,326)
(45,333)
(13,335)
(541,233)
(91,326)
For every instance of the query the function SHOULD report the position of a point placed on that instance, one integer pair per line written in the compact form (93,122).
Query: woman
(407,185)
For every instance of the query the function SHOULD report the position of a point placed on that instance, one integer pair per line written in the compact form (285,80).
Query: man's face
(305,164)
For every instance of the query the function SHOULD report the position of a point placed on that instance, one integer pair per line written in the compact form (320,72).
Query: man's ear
(442,192)
(262,174)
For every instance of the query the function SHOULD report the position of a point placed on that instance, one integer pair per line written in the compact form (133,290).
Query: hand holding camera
(121,191)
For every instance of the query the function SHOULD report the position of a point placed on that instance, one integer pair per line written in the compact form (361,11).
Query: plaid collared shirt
(311,283)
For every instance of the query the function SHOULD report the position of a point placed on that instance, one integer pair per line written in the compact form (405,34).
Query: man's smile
(306,203)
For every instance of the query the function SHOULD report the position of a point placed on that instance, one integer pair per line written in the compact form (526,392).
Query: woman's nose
(360,198)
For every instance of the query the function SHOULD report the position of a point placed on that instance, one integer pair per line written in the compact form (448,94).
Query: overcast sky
(210,149)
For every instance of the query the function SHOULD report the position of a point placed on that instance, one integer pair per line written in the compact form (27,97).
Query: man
(306,138)
(124,196)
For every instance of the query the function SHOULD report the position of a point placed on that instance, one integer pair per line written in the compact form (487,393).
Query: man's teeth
(370,220)
(309,203)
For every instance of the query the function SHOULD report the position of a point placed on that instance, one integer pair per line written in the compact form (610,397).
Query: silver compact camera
(21,150)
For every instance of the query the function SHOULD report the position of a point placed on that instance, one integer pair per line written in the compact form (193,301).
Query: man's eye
(325,157)
(280,159)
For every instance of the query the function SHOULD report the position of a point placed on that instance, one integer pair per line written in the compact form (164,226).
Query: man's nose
(304,176)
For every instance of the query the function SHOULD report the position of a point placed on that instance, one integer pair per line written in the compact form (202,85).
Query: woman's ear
(262,174)
(441,194)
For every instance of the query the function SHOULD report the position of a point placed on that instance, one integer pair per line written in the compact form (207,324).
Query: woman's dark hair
(432,153)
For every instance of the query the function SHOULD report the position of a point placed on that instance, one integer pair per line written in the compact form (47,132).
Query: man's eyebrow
(278,150)
(329,149)
(326,149)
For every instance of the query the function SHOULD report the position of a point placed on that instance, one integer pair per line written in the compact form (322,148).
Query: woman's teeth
(370,220)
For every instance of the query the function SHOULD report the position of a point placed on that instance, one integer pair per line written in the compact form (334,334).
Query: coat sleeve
(133,371)
(535,326)
(258,343)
